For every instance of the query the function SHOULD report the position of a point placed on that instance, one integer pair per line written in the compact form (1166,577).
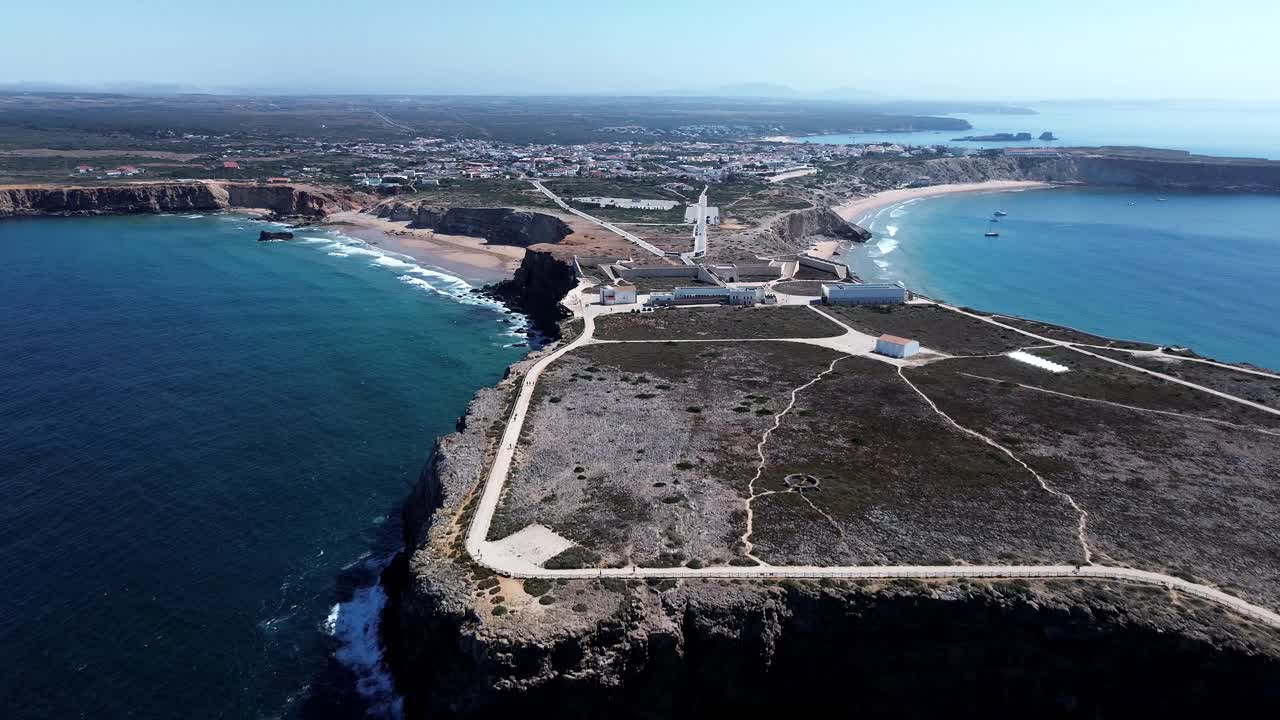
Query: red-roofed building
(230,164)
(896,347)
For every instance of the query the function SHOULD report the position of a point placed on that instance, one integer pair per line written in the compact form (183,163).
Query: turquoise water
(1196,270)
(1206,129)
(204,441)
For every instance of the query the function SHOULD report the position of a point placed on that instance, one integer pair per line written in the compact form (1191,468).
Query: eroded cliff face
(501,226)
(293,200)
(537,287)
(281,200)
(786,233)
(758,648)
(795,227)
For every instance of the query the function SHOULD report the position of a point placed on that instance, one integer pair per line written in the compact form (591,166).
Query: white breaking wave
(881,264)
(891,229)
(431,280)
(419,282)
(887,246)
(354,624)
(193,217)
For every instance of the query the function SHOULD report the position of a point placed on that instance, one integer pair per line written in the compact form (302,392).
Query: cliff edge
(465,643)
(282,201)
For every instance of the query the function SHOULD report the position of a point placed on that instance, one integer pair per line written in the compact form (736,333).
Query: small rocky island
(270,236)
(997,137)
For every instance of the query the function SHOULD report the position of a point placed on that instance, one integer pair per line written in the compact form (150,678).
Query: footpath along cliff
(284,201)
(619,648)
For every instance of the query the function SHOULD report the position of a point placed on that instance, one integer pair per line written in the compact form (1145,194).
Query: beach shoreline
(472,259)
(856,210)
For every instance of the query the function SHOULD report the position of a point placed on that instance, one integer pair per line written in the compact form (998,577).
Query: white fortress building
(701,216)
(863,294)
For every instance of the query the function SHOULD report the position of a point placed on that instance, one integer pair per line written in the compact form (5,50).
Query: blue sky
(980,49)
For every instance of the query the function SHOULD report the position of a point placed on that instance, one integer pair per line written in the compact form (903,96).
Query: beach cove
(1176,268)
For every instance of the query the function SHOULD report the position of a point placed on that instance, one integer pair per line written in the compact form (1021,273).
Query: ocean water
(204,441)
(1191,269)
(1202,128)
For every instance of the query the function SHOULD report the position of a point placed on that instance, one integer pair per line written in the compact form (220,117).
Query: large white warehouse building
(863,294)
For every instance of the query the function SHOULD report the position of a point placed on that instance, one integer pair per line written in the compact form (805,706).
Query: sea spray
(354,624)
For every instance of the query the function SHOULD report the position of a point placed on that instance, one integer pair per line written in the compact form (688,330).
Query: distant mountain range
(773,90)
(856,96)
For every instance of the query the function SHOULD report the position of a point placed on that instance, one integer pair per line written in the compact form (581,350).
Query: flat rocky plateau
(648,453)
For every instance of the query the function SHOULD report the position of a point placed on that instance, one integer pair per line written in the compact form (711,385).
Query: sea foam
(354,624)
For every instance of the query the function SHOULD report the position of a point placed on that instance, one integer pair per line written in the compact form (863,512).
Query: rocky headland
(586,648)
(501,226)
(1114,167)
(280,200)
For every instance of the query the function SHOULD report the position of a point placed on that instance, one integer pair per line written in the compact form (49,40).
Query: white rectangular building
(896,347)
(623,293)
(733,296)
(863,294)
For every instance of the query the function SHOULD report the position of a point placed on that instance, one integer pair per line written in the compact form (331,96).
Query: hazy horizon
(987,51)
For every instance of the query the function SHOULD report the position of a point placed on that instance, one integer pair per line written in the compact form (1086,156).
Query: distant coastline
(857,209)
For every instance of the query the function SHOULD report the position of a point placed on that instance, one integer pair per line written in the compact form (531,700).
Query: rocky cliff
(281,200)
(1155,171)
(785,233)
(537,287)
(588,648)
(502,226)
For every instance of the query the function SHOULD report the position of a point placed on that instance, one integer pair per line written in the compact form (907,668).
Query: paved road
(602,223)
(487,554)
(1082,350)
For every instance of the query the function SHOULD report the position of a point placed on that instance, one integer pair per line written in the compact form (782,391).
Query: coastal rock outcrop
(281,200)
(113,200)
(269,236)
(537,287)
(1154,170)
(786,233)
(501,226)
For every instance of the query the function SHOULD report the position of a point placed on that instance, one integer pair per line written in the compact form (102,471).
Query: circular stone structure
(802,481)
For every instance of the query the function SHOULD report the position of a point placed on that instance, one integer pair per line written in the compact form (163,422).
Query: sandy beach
(470,258)
(858,209)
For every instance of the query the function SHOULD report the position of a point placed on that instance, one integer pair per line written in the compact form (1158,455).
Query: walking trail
(500,559)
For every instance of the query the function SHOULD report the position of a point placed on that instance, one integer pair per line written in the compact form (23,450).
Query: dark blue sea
(204,441)
(1173,268)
